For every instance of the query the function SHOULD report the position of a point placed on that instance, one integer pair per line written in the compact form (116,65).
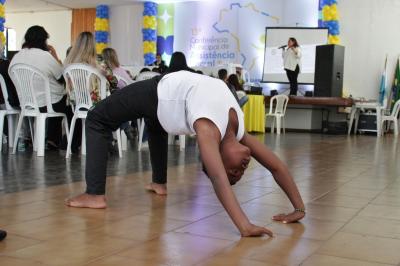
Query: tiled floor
(351,186)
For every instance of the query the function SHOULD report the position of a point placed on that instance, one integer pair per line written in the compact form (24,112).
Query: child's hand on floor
(254,230)
(289,218)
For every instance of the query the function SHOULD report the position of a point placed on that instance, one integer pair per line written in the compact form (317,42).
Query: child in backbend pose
(184,103)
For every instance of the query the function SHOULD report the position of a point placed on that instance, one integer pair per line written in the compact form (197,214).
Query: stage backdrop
(212,33)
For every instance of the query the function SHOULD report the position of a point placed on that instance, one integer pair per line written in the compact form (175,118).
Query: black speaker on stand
(329,64)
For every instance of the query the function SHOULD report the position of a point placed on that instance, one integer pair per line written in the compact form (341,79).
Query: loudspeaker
(328,78)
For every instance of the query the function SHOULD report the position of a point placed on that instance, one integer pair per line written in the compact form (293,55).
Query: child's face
(236,158)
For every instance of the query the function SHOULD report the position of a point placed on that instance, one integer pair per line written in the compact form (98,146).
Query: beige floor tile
(10,261)
(334,199)
(261,212)
(187,211)
(176,249)
(319,260)
(280,250)
(361,247)
(216,226)
(15,242)
(140,227)
(357,192)
(118,261)
(53,226)
(331,213)
(387,200)
(307,228)
(75,249)
(373,226)
(224,261)
(381,211)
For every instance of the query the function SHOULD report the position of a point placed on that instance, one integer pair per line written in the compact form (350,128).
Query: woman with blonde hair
(84,52)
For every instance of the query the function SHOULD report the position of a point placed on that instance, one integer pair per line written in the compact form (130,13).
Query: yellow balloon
(2,38)
(334,39)
(101,24)
(149,22)
(100,47)
(149,47)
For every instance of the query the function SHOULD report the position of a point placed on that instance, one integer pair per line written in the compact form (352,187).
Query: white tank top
(184,97)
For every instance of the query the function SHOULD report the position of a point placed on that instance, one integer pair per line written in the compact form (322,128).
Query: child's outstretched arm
(208,138)
(281,174)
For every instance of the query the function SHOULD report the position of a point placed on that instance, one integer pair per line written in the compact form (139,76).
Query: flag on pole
(396,85)
(382,88)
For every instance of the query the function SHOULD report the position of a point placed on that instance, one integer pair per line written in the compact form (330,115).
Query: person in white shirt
(292,63)
(180,103)
(38,54)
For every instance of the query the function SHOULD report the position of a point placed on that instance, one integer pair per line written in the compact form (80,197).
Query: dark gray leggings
(132,102)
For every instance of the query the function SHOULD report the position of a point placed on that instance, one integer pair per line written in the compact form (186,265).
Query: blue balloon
(102,11)
(328,2)
(101,36)
(2,1)
(149,35)
(149,59)
(149,9)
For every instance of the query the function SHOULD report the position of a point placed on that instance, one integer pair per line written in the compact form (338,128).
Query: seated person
(233,82)
(110,58)
(42,56)
(12,93)
(84,52)
(178,103)
(160,64)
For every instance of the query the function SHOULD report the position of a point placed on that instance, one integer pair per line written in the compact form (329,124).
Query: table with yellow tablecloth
(254,114)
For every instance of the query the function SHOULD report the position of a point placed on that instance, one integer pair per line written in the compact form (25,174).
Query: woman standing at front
(291,63)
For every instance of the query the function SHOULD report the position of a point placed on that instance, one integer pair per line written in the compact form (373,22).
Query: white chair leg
(283,125)
(17,132)
(182,140)
(357,115)
(83,142)
(273,125)
(119,142)
(12,121)
(278,125)
(124,141)
(41,135)
(70,136)
(1,130)
(141,130)
(396,127)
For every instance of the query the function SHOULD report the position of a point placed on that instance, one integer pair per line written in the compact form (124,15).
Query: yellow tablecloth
(254,114)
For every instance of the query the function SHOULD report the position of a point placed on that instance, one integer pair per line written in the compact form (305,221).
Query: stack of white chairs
(80,78)
(28,81)
(11,114)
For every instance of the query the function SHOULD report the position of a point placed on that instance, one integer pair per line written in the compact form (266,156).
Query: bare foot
(159,189)
(87,201)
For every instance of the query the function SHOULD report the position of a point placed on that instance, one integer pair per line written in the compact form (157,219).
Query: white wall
(126,33)
(369,31)
(56,23)
(303,13)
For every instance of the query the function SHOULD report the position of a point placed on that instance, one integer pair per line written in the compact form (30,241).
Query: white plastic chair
(11,113)
(27,81)
(80,78)
(278,111)
(393,117)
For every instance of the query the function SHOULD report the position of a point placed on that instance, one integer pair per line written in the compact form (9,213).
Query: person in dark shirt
(12,93)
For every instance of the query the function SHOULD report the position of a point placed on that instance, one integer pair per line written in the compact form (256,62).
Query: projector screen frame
(265,46)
